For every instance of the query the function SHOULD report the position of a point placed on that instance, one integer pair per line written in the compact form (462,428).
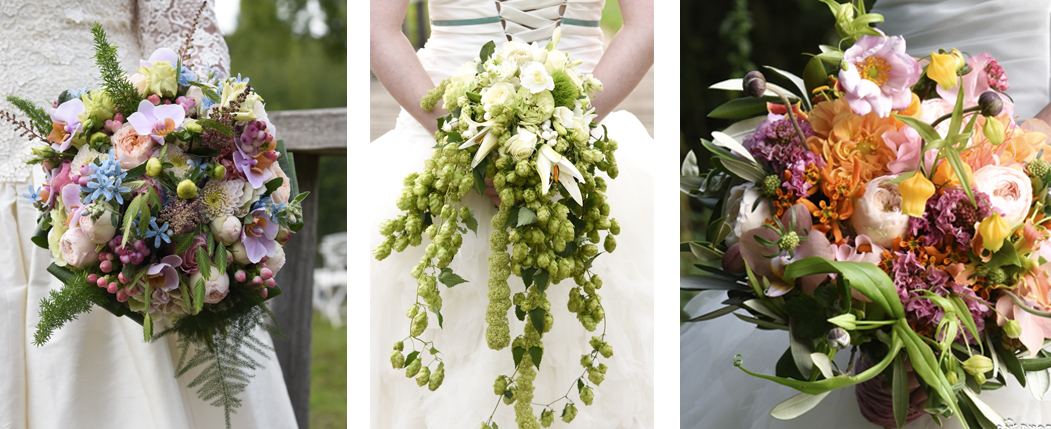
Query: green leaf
(479,175)
(961,174)
(487,51)
(965,314)
(541,278)
(449,279)
(957,113)
(526,217)
(866,278)
(216,126)
(441,320)
(474,96)
(536,353)
(203,264)
(198,295)
(900,390)
(147,327)
(741,108)
(519,313)
(471,223)
(717,313)
(220,258)
(740,169)
(137,205)
(925,130)
(814,74)
(1011,361)
(273,184)
(136,171)
(808,317)
(527,275)
(570,250)
(536,317)
(411,357)
(516,354)
(1035,364)
(797,405)
(796,80)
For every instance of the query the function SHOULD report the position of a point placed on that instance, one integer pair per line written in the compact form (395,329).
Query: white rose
(139,82)
(516,52)
(564,116)
(276,260)
(226,229)
(502,72)
(556,60)
(521,145)
(98,231)
(1008,189)
(739,214)
(215,287)
(498,94)
(877,213)
(465,73)
(535,77)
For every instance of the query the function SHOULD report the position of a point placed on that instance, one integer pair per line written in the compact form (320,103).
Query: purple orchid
(162,275)
(67,124)
(244,164)
(258,235)
(71,200)
(156,121)
(769,260)
(877,75)
(161,54)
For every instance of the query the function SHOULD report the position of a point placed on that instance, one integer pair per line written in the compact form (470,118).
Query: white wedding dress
(466,398)
(715,394)
(95,372)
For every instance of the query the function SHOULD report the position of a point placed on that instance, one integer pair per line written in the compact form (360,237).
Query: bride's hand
(628,57)
(395,63)
(490,192)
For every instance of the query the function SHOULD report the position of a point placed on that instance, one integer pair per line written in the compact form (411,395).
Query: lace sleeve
(164,23)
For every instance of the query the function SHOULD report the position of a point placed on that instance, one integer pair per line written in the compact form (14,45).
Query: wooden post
(307,134)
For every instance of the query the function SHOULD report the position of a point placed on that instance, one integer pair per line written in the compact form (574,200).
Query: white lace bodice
(46,47)
(459,28)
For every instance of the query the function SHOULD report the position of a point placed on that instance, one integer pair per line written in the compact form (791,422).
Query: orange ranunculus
(856,140)
(945,175)
(826,114)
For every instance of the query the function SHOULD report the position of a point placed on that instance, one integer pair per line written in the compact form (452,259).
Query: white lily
(484,137)
(550,163)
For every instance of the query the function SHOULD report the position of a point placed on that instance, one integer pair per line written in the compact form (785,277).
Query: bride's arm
(394,62)
(628,57)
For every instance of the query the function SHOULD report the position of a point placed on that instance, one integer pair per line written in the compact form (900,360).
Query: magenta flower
(769,260)
(66,123)
(258,235)
(156,121)
(878,74)
(162,275)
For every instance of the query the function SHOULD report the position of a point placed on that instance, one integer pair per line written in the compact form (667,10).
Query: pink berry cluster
(132,253)
(255,137)
(263,279)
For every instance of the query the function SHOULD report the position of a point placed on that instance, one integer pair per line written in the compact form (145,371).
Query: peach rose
(216,287)
(76,249)
(281,194)
(131,148)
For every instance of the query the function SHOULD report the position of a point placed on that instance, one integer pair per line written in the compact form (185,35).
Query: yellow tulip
(915,191)
(943,68)
(994,230)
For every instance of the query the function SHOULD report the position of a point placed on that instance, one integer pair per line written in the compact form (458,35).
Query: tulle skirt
(466,397)
(96,371)
(715,394)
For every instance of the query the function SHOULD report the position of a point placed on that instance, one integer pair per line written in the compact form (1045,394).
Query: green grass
(611,18)
(328,376)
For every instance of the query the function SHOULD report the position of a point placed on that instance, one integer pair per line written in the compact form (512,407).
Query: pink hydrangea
(878,75)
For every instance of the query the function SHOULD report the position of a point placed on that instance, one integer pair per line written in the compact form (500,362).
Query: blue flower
(33,195)
(185,76)
(106,181)
(158,234)
(239,80)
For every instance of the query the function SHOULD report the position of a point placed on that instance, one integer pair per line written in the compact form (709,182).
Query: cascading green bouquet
(521,117)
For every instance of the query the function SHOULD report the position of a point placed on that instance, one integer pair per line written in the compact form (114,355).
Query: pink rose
(907,143)
(131,148)
(216,286)
(226,229)
(1009,190)
(189,257)
(281,194)
(100,230)
(76,249)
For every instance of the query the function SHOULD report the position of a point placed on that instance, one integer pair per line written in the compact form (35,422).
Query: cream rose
(131,148)
(516,52)
(215,287)
(498,94)
(277,260)
(564,116)
(226,229)
(239,253)
(739,214)
(100,230)
(877,213)
(76,249)
(521,145)
(465,73)
(282,193)
(556,60)
(1009,190)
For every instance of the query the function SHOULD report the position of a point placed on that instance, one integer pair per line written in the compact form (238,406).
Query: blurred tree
(295,52)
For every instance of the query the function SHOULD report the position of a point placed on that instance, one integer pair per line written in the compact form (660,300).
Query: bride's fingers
(490,192)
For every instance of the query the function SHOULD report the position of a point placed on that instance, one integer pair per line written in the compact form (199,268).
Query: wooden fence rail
(308,134)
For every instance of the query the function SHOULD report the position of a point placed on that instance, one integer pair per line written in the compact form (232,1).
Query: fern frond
(64,305)
(120,89)
(38,117)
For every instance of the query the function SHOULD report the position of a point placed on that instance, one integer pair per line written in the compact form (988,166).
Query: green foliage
(328,381)
(565,92)
(39,118)
(114,79)
(65,304)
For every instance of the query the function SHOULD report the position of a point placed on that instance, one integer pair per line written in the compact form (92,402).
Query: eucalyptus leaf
(796,80)
(900,390)
(733,145)
(737,84)
(797,405)
(1039,381)
(740,108)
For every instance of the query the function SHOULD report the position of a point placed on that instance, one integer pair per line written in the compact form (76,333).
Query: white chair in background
(330,281)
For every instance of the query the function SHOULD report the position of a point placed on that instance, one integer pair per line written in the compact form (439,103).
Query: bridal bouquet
(522,118)
(893,207)
(166,197)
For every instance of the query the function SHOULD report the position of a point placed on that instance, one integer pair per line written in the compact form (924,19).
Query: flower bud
(423,377)
(187,189)
(500,385)
(397,360)
(990,104)
(754,84)
(978,364)
(587,395)
(413,368)
(838,338)
(845,321)
(994,130)
(154,167)
(994,230)
(193,127)
(1038,168)
(944,67)
(915,191)
(218,172)
(1013,329)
